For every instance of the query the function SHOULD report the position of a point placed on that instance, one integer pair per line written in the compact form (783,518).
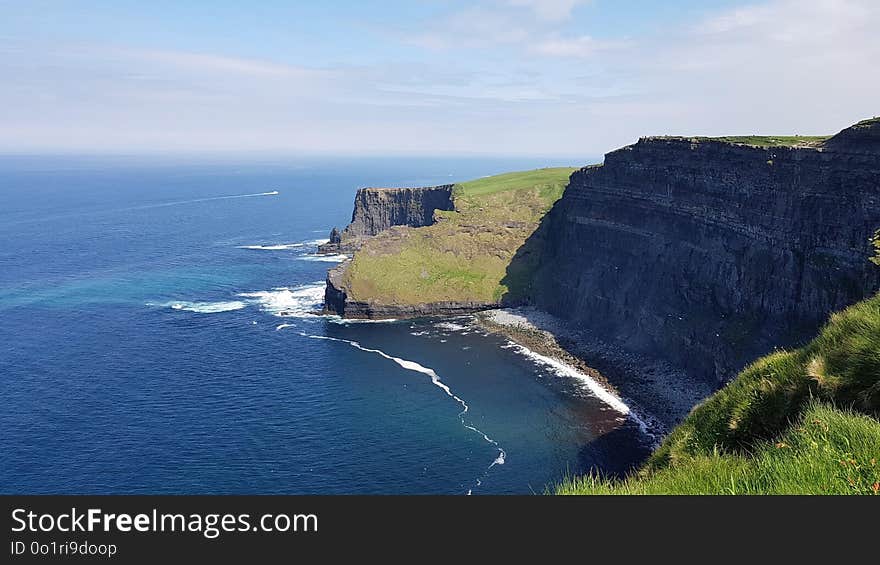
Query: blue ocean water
(142,350)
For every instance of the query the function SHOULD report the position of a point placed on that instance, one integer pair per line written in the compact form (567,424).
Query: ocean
(142,348)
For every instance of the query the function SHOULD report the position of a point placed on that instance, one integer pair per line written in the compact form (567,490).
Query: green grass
(550,182)
(771,140)
(827,451)
(759,433)
(464,256)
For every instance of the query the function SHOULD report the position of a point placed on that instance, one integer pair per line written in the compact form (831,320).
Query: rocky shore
(659,393)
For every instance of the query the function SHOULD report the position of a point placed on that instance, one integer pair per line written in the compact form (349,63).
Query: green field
(772,140)
(550,182)
(802,421)
(467,254)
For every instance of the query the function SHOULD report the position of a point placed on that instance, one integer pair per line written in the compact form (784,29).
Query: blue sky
(501,77)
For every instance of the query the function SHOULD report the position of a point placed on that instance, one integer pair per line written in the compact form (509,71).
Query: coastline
(645,387)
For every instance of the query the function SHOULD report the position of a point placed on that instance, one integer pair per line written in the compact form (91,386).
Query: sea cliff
(698,253)
(377,209)
(438,250)
(708,253)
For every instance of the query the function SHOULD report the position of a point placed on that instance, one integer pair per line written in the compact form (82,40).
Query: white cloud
(498,24)
(502,84)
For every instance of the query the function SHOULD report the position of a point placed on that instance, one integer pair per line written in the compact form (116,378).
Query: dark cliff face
(377,209)
(709,254)
(864,137)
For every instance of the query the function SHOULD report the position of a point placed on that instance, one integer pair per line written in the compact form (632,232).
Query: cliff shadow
(613,455)
(650,384)
(521,275)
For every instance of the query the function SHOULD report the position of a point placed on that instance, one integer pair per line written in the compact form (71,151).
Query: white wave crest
(299,301)
(450,326)
(284,246)
(563,370)
(205,307)
(337,258)
(352,321)
(435,380)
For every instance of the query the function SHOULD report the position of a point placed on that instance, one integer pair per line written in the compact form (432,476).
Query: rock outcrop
(377,209)
(335,245)
(709,254)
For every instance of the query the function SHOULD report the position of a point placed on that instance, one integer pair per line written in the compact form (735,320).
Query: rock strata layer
(377,209)
(709,254)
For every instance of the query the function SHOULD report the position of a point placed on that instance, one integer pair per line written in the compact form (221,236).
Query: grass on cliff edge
(772,140)
(466,254)
(802,421)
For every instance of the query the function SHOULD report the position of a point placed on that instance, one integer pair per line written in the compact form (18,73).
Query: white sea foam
(205,307)
(282,326)
(351,321)
(337,258)
(563,370)
(298,301)
(450,326)
(589,384)
(436,381)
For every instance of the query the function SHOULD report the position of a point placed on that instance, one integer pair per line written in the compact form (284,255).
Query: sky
(420,77)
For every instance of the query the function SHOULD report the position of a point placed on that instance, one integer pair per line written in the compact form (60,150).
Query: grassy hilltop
(466,254)
(802,421)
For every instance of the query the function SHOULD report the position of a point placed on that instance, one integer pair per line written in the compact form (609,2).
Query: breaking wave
(284,301)
(324,258)
(298,301)
(589,384)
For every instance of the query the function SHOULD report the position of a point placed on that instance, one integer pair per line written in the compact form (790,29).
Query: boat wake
(436,381)
(197,200)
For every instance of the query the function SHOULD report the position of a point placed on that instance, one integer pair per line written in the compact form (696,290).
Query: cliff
(452,266)
(377,209)
(803,421)
(707,253)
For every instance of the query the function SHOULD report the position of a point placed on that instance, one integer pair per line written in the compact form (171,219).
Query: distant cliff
(452,265)
(377,209)
(708,253)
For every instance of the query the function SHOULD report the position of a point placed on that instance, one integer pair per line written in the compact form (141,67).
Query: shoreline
(542,345)
(645,387)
